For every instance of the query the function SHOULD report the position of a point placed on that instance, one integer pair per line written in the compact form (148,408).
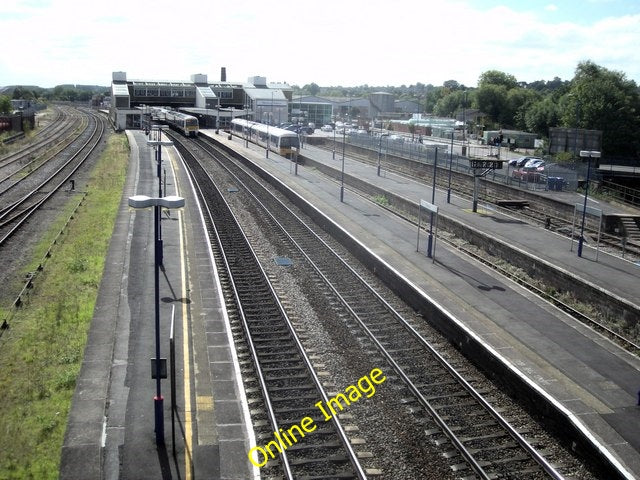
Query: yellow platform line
(186,355)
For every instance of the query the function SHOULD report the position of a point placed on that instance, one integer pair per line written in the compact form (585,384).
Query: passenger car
(521,161)
(534,162)
(531,173)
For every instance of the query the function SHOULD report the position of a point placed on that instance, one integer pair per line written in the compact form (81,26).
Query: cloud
(333,43)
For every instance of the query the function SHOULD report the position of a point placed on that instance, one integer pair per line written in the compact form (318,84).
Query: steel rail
(467,455)
(307,361)
(24,215)
(60,147)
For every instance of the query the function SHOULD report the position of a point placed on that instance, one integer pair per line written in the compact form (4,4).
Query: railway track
(602,326)
(539,215)
(286,383)
(15,212)
(44,138)
(478,440)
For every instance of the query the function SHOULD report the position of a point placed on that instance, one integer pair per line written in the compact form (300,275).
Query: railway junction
(587,384)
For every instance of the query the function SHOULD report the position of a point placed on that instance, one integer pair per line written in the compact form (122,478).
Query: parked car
(326,128)
(300,129)
(534,162)
(521,161)
(530,174)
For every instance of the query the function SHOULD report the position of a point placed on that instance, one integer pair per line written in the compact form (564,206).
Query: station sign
(494,164)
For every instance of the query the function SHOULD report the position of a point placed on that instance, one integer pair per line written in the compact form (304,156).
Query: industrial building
(217,103)
(214,103)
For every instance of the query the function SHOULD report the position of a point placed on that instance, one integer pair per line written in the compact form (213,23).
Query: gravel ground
(395,437)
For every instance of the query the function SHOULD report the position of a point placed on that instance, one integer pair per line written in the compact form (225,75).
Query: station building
(214,103)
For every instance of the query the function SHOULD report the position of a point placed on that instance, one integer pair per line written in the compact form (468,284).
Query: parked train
(283,142)
(187,124)
(182,122)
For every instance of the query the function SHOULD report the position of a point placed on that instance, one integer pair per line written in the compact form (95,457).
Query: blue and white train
(283,142)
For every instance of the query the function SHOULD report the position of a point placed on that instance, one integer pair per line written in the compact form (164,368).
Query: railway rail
(44,138)
(538,215)
(31,165)
(288,384)
(16,212)
(484,442)
(601,326)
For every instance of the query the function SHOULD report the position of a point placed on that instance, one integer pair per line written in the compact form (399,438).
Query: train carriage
(187,124)
(283,142)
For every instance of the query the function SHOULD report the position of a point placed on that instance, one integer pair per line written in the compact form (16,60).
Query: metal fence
(553,177)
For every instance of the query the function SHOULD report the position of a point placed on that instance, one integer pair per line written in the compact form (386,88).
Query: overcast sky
(329,42)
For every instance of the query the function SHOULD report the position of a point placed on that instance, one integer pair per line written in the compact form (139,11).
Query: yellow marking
(188,420)
(204,402)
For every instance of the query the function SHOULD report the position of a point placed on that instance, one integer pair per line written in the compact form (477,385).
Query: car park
(300,129)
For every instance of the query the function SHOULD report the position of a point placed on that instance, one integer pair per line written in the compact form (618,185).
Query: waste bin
(559,183)
(551,183)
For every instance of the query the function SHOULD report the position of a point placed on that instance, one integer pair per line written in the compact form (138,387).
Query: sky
(327,42)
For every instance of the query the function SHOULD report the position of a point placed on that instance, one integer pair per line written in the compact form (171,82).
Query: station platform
(611,273)
(593,380)
(111,428)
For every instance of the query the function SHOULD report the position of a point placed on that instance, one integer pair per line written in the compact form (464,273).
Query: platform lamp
(344,140)
(142,201)
(380,149)
(588,154)
(433,202)
(158,144)
(450,165)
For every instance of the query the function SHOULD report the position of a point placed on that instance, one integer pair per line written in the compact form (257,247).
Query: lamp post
(588,154)
(450,164)
(344,139)
(380,150)
(433,202)
(334,141)
(142,201)
(159,143)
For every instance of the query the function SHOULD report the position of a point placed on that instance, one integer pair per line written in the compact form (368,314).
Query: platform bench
(513,203)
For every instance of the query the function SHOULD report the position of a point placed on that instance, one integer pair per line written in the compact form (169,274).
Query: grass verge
(41,354)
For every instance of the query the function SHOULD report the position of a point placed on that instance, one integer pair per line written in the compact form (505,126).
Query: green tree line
(65,93)
(596,98)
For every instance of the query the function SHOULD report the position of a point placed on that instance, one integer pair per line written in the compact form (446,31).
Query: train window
(289,142)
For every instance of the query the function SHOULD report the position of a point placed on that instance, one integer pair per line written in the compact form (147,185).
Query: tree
(312,88)
(601,99)
(519,100)
(451,85)
(541,115)
(5,104)
(495,77)
(449,104)
(492,99)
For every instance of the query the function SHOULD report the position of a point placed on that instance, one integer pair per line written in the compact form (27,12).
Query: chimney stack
(223,74)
